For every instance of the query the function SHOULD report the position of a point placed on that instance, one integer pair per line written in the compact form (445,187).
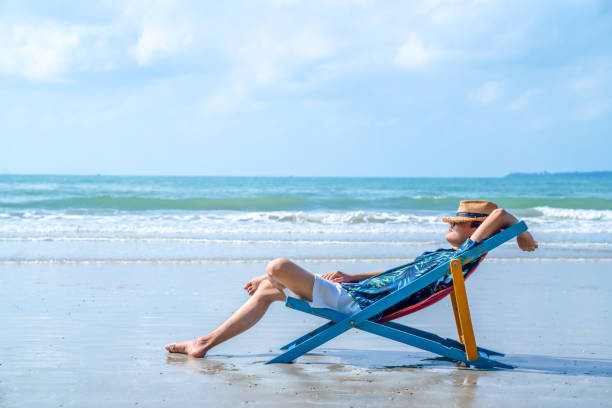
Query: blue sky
(305,88)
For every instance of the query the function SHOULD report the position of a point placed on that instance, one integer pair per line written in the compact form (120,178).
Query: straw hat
(472,210)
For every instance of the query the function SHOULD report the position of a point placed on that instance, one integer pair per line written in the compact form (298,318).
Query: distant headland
(569,174)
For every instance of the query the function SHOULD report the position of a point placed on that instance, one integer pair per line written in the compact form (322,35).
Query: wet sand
(92,335)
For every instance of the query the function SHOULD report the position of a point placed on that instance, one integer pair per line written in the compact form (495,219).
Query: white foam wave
(37,223)
(190,261)
(26,224)
(218,241)
(272,242)
(574,214)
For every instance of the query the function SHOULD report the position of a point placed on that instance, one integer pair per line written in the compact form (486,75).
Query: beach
(93,335)
(98,274)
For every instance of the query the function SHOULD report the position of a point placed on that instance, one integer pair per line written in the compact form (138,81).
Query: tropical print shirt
(375,288)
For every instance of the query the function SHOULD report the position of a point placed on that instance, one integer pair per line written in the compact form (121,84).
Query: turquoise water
(94,193)
(64,218)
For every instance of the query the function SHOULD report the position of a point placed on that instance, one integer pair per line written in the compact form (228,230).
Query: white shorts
(330,295)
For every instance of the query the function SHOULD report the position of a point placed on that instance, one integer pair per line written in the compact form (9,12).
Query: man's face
(458,233)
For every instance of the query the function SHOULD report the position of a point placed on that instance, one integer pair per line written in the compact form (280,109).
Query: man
(474,222)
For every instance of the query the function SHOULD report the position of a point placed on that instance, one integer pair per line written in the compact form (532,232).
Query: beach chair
(464,350)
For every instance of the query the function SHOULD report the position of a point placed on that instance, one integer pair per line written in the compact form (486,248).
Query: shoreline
(490,259)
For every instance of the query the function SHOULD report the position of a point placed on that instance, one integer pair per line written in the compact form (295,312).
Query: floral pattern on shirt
(377,287)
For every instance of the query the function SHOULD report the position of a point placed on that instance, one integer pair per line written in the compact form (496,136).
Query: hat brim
(463,219)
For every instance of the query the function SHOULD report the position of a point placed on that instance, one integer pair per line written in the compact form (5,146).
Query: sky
(305,88)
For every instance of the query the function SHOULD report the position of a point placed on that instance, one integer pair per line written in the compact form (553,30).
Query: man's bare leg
(280,273)
(285,274)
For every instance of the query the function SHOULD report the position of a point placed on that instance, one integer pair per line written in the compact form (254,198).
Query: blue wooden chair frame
(449,348)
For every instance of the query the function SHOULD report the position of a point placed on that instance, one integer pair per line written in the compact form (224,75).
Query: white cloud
(273,53)
(523,99)
(225,101)
(594,109)
(584,83)
(43,52)
(448,13)
(287,2)
(414,54)
(158,40)
(487,93)
(362,3)
(268,57)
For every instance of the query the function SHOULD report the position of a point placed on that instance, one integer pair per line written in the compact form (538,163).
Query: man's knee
(277,267)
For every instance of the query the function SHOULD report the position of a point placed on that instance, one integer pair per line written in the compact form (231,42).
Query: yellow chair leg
(463,310)
(456,313)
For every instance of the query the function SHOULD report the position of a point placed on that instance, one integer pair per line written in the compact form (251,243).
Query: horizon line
(541,173)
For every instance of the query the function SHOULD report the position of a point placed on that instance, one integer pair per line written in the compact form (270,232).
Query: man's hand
(252,285)
(338,276)
(526,242)
(500,219)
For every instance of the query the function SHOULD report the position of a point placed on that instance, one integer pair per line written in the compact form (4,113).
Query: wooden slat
(463,310)
(456,313)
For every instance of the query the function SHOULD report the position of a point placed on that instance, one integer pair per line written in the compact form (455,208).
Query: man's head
(469,216)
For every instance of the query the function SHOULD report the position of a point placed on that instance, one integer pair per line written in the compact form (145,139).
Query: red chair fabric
(436,297)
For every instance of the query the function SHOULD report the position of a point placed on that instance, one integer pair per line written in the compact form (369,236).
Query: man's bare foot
(195,348)
(252,285)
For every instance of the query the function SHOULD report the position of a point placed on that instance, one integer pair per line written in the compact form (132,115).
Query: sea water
(121,219)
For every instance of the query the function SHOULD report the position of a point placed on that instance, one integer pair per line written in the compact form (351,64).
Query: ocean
(146,219)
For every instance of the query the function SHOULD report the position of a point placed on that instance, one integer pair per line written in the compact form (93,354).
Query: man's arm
(338,276)
(500,219)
